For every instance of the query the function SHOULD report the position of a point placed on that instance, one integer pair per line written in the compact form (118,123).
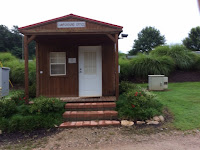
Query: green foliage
(5,57)
(183,58)
(4,123)
(125,69)
(160,50)
(138,104)
(197,64)
(5,38)
(148,39)
(17,70)
(32,90)
(18,97)
(32,122)
(122,55)
(46,105)
(11,41)
(192,42)
(44,113)
(125,86)
(32,72)
(7,107)
(23,109)
(144,65)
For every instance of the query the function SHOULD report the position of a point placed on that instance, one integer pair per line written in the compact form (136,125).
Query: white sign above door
(71,24)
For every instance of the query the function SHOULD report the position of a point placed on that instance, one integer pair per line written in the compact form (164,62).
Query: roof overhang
(50,27)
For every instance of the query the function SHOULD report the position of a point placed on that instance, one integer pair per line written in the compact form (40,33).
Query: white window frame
(64,53)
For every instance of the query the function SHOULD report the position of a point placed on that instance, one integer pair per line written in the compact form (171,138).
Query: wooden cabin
(75,57)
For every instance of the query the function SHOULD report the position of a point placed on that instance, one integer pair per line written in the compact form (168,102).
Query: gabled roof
(70,16)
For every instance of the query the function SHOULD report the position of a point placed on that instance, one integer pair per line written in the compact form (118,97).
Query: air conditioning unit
(4,81)
(157,82)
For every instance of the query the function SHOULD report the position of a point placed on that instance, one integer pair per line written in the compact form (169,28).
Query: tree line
(12,41)
(150,37)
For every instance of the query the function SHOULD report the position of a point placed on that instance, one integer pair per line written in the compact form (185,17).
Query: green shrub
(23,109)
(18,97)
(23,123)
(32,72)
(125,69)
(7,107)
(138,105)
(17,68)
(31,122)
(197,63)
(160,50)
(4,57)
(44,113)
(46,105)
(122,55)
(144,65)
(16,71)
(125,86)
(4,123)
(32,90)
(183,58)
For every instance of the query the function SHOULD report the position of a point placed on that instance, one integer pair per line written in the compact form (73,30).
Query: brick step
(90,115)
(92,123)
(91,106)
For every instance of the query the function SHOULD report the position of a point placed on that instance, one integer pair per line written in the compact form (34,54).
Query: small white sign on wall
(71,60)
(71,24)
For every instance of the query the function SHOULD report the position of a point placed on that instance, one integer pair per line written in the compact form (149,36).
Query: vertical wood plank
(116,68)
(37,71)
(26,68)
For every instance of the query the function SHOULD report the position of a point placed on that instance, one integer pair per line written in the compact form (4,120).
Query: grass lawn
(183,100)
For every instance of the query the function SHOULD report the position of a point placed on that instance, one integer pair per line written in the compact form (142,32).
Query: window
(57,63)
(90,63)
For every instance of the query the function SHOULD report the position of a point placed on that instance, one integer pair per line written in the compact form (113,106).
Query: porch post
(37,71)
(26,68)
(116,68)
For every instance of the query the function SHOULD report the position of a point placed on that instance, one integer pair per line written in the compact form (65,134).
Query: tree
(11,41)
(192,42)
(148,39)
(5,39)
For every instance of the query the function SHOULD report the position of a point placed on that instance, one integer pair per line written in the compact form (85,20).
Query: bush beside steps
(138,105)
(44,113)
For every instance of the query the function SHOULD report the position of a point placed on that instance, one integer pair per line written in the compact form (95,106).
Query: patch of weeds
(111,133)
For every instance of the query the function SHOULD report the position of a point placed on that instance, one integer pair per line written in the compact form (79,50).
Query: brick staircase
(90,114)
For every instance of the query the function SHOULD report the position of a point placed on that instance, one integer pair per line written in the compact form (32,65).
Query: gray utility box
(4,81)
(157,82)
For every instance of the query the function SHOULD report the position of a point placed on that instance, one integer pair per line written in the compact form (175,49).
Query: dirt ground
(122,139)
(113,138)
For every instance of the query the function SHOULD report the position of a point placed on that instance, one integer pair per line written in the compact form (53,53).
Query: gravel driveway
(122,139)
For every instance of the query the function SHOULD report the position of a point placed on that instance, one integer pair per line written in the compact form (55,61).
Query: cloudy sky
(174,18)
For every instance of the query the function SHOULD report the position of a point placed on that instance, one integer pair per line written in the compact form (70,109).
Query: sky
(174,18)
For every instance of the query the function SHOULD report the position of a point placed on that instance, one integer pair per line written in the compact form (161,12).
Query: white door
(90,71)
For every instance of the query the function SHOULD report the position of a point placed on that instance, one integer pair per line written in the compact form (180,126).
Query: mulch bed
(18,137)
(184,76)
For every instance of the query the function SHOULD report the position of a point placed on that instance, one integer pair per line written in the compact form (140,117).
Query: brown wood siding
(59,86)
(108,69)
